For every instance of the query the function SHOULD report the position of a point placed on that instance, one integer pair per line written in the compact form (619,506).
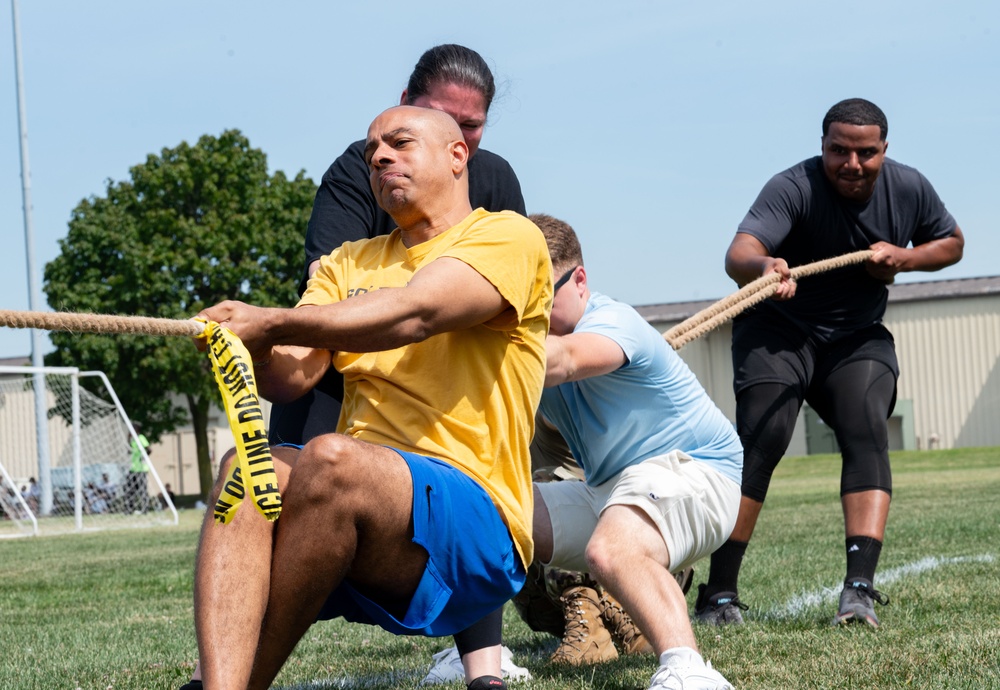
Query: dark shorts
(769,349)
(472,568)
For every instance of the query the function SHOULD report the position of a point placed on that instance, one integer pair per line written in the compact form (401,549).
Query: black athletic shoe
(192,685)
(857,603)
(722,608)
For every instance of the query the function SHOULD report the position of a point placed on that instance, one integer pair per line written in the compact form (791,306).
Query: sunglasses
(565,279)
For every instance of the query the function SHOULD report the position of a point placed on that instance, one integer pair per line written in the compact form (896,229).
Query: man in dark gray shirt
(823,341)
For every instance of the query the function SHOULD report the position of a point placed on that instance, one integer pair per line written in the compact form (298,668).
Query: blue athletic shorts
(472,566)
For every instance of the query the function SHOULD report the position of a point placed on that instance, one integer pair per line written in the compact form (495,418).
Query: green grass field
(112,611)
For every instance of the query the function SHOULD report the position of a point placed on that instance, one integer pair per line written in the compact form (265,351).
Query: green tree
(191,227)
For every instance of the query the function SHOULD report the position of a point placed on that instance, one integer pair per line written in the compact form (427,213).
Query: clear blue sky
(650,126)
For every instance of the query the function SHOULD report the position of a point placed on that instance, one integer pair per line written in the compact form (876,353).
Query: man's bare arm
(446,295)
(889,259)
(748,259)
(580,356)
(289,371)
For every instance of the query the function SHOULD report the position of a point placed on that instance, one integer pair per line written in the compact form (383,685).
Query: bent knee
(327,459)
(224,464)
(599,557)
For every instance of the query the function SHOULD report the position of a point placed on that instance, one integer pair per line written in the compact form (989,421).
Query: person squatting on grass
(439,329)
(823,342)
(661,462)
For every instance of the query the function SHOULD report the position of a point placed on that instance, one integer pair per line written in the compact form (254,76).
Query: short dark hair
(857,111)
(564,246)
(451,64)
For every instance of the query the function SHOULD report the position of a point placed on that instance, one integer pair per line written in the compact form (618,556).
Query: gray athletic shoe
(857,603)
(722,608)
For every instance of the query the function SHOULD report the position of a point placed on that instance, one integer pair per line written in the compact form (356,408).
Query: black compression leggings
(486,632)
(855,400)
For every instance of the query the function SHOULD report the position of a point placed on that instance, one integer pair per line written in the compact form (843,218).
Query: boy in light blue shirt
(662,463)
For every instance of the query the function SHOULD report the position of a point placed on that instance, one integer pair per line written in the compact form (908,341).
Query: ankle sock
(689,656)
(487,683)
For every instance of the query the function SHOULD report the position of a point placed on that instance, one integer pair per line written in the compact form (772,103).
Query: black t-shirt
(345,208)
(801,218)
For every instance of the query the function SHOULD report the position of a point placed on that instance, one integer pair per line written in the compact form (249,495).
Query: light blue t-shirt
(650,406)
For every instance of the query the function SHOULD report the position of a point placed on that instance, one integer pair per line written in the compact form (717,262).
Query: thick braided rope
(750,294)
(694,327)
(100,323)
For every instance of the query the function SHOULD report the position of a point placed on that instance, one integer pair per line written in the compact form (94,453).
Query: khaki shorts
(693,505)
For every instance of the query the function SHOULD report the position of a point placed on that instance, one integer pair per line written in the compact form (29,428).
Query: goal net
(89,471)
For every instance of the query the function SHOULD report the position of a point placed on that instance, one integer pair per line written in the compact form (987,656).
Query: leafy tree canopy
(192,226)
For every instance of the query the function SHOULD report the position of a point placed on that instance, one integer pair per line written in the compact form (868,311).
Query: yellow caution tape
(233,370)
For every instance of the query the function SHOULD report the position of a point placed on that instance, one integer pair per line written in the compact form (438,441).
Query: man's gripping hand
(250,324)
(786,288)
(887,260)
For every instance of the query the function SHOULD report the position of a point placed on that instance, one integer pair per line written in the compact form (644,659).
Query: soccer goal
(86,478)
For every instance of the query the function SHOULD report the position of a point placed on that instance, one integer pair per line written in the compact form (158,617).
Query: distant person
(167,494)
(32,494)
(107,490)
(94,502)
(450,78)
(10,506)
(415,515)
(137,482)
(823,341)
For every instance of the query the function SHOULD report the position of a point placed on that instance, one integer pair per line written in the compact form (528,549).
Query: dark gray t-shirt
(801,218)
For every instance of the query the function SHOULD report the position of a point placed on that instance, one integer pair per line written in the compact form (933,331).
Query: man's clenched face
(852,159)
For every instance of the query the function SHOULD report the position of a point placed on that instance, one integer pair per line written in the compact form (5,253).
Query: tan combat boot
(586,640)
(623,629)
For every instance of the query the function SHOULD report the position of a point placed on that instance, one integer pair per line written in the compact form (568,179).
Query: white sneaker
(510,670)
(678,675)
(448,667)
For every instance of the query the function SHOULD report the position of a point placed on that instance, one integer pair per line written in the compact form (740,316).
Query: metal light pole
(41,409)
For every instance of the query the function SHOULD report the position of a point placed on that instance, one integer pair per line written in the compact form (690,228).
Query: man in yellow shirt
(439,329)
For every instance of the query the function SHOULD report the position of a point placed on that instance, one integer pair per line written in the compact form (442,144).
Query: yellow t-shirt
(466,397)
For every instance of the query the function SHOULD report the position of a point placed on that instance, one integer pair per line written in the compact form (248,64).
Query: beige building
(947,336)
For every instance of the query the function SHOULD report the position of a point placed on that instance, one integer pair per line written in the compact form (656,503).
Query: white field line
(828,595)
